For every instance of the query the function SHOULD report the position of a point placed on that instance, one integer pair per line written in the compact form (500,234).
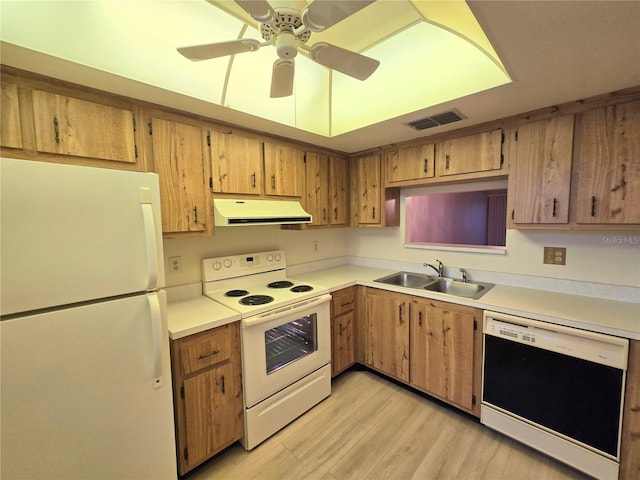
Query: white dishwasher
(557,389)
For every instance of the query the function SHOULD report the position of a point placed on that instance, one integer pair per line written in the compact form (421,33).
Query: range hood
(228,212)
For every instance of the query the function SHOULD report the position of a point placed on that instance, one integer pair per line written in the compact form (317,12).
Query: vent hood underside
(233,212)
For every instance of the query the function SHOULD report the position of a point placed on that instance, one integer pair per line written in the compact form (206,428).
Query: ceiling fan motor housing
(287,45)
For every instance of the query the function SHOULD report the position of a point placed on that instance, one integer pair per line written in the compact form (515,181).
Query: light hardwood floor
(371,428)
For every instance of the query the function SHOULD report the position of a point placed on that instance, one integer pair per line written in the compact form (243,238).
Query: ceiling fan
(288,30)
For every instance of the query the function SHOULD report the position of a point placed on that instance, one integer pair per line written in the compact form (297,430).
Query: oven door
(283,345)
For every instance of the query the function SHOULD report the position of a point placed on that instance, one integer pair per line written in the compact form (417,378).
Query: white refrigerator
(84,350)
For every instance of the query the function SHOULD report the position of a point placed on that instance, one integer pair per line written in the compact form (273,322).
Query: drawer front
(205,349)
(342,301)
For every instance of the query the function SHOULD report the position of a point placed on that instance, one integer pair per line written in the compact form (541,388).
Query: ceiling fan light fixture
(286,45)
(282,78)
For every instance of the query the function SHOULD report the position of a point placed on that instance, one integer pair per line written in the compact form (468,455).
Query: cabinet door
(442,353)
(283,170)
(178,159)
(607,165)
(317,187)
(542,172)
(367,191)
(474,153)
(386,333)
(211,418)
(10,126)
(79,128)
(343,342)
(338,191)
(412,163)
(235,163)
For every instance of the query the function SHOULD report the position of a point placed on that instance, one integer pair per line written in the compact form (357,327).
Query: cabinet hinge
(182,392)
(134,124)
(135,150)
(516,135)
(475,323)
(513,214)
(304,158)
(502,137)
(150,128)
(210,182)
(208,140)
(501,159)
(473,399)
(185,454)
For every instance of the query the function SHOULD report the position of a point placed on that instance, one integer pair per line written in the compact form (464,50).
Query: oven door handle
(284,311)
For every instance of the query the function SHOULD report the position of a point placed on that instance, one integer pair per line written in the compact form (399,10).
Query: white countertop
(197,314)
(605,316)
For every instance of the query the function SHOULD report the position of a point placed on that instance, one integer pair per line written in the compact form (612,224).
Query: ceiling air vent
(437,120)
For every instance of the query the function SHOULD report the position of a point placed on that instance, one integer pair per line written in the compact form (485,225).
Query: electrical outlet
(175,264)
(555,255)
(316,246)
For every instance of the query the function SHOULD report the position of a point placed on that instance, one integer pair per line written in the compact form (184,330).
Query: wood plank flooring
(370,428)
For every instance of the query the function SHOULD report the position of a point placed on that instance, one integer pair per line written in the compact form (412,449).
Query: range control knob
(216,265)
(270,257)
(278,257)
(227,263)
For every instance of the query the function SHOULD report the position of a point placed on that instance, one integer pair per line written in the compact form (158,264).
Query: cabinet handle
(374,211)
(324,214)
(426,164)
(400,307)
(420,318)
(222,384)
(273,181)
(56,129)
(195,215)
(555,203)
(446,161)
(346,304)
(202,357)
(253,179)
(593,206)
(335,213)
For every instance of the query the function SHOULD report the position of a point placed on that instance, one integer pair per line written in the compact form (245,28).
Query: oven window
(291,341)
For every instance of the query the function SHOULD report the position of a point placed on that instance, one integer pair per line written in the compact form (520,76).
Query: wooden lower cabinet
(207,384)
(442,353)
(343,334)
(386,332)
(433,346)
(630,441)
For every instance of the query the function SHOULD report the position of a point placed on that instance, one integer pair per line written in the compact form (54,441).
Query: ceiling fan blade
(259,10)
(215,50)
(350,63)
(322,14)
(282,78)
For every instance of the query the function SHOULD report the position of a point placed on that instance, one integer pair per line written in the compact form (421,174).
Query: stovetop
(254,283)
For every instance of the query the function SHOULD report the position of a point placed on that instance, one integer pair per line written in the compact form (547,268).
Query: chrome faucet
(439,269)
(464,275)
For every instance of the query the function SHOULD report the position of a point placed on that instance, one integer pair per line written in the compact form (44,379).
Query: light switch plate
(555,255)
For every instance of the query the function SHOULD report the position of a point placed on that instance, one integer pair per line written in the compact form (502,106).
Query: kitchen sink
(458,288)
(407,279)
(448,286)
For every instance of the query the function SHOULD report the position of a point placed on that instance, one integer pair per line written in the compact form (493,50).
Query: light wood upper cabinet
(236,163)
(411,163)
(442,350)
(10,119)
(79,128)
(327,193)
(607,165)
(317,187)
(367,190)
(283,170)
(474,153)
(178,159)
(338,191)
(541,174)
(386,332)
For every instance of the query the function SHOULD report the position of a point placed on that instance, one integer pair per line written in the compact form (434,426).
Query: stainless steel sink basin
(407,279)
(449,286)
(460,289)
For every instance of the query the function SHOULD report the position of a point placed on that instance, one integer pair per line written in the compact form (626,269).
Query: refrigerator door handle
(150,237)
(156,338)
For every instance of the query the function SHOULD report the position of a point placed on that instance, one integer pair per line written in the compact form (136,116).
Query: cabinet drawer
(205,349)
(342,301)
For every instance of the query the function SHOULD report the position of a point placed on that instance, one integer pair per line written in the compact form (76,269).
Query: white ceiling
(555,52)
